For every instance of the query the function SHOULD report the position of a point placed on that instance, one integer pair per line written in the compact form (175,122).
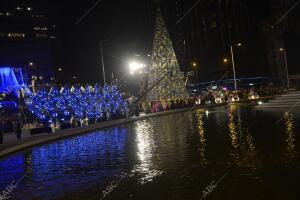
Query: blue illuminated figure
(53,97)
(78,102)
(77,107)
(88,102)
(99,102)
(40,105)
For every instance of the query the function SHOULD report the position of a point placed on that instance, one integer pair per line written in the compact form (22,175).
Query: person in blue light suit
(78,103)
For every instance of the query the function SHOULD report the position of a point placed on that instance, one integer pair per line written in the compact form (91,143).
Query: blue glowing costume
(60,105)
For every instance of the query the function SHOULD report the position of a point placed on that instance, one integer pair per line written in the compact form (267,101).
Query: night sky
(125,27)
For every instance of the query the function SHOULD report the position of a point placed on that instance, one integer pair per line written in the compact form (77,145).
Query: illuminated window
(40,35)
(40,28)
(16,35)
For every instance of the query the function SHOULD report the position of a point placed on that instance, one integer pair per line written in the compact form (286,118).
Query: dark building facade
(282,32)
(205,34)
(26,36)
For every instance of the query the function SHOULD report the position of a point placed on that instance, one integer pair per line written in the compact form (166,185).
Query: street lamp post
(225,60)
(233,67)
(102,63)
(195,67)
(286,66)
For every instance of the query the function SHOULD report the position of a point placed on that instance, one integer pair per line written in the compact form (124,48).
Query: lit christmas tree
(165,81)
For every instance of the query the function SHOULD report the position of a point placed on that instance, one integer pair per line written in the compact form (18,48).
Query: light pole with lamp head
(102,63)
(233,67)
(286,66)
(225,61)
(195,68)
(102,59)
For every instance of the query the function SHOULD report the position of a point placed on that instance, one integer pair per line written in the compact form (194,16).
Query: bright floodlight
(134,66)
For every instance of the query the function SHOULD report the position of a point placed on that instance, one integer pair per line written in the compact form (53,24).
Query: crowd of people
(157,106)
(222,95)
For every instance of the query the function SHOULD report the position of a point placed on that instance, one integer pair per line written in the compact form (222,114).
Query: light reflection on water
(202,139)
(233,128)
(291,152)
(146,150)
(243,152)
(170,157)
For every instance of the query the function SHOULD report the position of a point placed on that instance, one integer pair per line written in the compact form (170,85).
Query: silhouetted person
(1,135)
(17,129)
(1,132)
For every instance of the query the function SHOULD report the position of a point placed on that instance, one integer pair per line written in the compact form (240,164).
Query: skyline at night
(208,51)
(126,29)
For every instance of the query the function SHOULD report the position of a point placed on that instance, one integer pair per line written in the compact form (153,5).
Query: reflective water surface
(232,152)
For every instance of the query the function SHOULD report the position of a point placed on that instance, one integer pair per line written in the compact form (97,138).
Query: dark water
(228,153)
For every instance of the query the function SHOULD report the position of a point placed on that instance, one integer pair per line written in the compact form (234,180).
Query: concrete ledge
(47,137)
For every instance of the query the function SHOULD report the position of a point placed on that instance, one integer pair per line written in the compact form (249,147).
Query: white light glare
(135,66)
